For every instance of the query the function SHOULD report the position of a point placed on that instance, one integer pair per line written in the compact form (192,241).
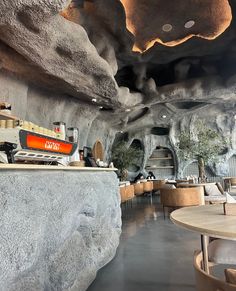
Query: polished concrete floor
(154,254)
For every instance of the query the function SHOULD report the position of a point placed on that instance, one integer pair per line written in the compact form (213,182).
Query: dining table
(208,221)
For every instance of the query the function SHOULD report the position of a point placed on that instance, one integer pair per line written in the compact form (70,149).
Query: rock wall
(43,107)
(57,228)
(216,118)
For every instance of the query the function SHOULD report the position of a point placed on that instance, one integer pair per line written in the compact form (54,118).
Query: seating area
(185,195)
(172,195)
(181,197)
(130,191)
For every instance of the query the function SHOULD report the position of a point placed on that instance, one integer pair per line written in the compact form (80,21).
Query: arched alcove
(161,163)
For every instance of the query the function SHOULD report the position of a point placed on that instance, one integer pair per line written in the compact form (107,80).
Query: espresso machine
(17,144)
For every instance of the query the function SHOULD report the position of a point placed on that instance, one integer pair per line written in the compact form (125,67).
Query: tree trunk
(201,168)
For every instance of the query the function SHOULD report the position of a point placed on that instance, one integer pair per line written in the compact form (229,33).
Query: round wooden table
(208,220)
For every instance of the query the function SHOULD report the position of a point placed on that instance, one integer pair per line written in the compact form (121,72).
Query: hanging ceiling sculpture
(83,48)
(171,22)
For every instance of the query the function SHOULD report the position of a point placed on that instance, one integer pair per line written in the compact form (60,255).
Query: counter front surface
(53,168)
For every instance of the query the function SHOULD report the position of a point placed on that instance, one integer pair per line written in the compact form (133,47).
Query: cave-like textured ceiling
(143,61)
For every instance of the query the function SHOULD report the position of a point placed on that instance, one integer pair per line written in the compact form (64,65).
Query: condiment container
(73,134)
(60,129)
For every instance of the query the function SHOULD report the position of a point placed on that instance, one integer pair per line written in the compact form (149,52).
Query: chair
(214,194)
(147,187)
(129,192)
(181,197)
(222,251)
(126,193)
(122,194)
(232,184)
(158,184)
(138,189)
(206,282)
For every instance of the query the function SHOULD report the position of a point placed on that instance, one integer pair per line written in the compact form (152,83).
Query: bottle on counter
(73,134)
(81,155)
(5,107)
(60,129)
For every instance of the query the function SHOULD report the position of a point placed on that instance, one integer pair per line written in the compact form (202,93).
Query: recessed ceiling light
(189,24)
(163,116)
(127,110)
(121,131)
(167,27)
(100,107)
(94,100)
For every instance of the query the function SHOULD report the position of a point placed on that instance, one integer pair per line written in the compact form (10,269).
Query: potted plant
(123,157)
(203,144)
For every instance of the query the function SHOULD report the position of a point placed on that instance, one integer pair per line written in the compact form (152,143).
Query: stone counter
(57,227)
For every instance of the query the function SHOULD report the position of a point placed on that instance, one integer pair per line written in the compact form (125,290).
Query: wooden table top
(207,220)
(195,184)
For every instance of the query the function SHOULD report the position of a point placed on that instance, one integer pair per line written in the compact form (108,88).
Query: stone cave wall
(149,142)
(43,107)
(215,117)
(221,121)
(58,228)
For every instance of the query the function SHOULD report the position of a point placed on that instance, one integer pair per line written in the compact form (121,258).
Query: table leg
(204,244)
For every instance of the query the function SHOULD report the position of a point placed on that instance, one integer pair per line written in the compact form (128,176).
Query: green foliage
(123,157)
(204,143)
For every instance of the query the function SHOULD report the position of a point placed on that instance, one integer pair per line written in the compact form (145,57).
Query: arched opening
(161,163)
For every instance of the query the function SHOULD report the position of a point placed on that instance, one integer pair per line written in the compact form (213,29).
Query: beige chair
(232,185)
(181,197)
(206,282)
(158,184)
(122,194)
(129,192)
(147,187)
(138,189)
(126,193)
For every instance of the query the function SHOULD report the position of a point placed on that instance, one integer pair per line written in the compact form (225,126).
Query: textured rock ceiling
(143,63)
(171,23)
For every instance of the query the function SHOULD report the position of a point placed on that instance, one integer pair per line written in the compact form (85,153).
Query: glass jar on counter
(60,129)
(5,107)
(73,134)
(81,155)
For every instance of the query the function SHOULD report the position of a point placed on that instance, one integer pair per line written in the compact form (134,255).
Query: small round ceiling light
(167,27)
(164,116)
(94,100)
(127,110)
(189,24)
(100,107)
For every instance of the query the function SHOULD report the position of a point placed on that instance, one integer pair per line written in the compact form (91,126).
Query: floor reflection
(153,254)
(135,215)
